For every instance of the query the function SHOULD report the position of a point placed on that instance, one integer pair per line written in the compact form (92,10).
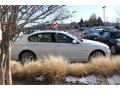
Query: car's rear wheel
(96,54)
(27,56)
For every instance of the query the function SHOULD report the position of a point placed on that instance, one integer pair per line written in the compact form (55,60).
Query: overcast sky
(85,11)
(83,8)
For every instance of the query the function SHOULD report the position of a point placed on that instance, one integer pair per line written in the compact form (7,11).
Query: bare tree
(13,19)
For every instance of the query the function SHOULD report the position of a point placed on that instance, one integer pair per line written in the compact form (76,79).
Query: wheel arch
(96,51)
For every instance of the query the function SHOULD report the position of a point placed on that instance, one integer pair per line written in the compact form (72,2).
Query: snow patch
(91,79)
(41,78)
(114,80)
(71,79)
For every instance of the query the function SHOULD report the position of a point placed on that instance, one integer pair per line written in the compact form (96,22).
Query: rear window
(42,37)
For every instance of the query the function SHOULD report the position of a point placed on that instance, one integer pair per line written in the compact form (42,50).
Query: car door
(43,44)
(105,38)
(64,47)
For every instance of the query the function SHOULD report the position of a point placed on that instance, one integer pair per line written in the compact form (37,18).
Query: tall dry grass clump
(116,63)
(102,66)
(54,67)
(80,69)
(51,67)
(17,69)
(33,69)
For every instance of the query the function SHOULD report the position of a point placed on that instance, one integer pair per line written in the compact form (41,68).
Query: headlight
(118,43)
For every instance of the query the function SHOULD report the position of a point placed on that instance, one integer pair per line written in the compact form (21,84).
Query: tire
(27,56)
(113,50)
(96,54)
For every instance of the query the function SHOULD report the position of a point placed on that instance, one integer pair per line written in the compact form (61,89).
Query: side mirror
(74,42)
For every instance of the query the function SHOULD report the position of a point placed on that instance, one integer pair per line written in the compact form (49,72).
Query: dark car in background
(91,34)
(81,29)
(111,38)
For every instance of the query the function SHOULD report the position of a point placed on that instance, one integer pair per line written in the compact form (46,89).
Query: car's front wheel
(96,54)
(27,56)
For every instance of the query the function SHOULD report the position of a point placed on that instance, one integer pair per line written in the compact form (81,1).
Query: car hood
(94,42)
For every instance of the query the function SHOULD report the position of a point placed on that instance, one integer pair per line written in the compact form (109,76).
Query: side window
(61,38)
(33,38)
(106,34)
(42,37)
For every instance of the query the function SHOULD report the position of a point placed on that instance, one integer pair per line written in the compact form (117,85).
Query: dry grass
(116,63)
(17,69)
(56,68)
(102,66)
(33,69)
(80,69)
(99,66)
(50,67)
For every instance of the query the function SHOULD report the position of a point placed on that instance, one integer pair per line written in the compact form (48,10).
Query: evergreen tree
(99,21)
(81,23)
(92,21)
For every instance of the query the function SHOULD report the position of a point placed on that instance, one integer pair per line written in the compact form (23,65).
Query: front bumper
(108,53)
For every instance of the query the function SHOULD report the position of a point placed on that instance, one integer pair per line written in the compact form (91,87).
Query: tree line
(92,21)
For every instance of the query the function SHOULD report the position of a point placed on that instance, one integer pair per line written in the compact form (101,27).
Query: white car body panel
(42,49)
(68,50)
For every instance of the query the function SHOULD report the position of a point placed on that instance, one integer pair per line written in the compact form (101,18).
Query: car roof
(48,31)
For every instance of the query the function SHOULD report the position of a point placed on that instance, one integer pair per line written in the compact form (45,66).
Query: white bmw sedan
(59,43)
